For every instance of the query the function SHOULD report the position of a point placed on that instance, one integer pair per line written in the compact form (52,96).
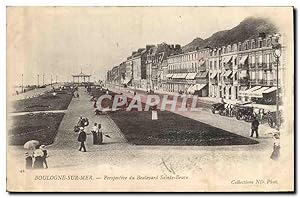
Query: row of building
(239,71)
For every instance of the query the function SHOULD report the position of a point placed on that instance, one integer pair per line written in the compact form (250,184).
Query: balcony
(202,81)
(266,66)
(244,81)
(202,68)
(180,81)
(228,66)
(263,82)
(244,66)
(252,66)
(228,81)
(213,81)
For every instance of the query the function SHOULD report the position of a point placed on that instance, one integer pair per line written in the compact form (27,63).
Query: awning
(199,86)
(126,81)
(246,92)
(175,76)
(258,93)
(222,74)
(269,90)
(169,75)
(191,76)
(181,75)
(227,59)
(213,74)
(243,59)
(202,74)
(190,89)
(227,73)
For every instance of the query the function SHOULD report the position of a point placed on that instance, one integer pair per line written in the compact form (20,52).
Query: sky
(60,41)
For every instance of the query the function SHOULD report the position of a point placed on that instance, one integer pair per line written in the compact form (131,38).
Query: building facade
(187,73)
(244,71)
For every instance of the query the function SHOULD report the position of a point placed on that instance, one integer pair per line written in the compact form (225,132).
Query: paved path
(67,138)
(34,112)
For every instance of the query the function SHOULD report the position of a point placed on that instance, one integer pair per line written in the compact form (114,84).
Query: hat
(81,128)
(42,147)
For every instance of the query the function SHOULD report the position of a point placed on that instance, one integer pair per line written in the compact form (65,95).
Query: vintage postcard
(150,99)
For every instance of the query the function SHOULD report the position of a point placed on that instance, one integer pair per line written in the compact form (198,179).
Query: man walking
(82,138)
(254,127)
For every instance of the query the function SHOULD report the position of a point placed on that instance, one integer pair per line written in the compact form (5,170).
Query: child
(28,160)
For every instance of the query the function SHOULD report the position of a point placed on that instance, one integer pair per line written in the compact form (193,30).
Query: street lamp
(277,54)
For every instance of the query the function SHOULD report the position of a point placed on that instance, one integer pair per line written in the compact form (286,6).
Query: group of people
(37,160)
(82,136)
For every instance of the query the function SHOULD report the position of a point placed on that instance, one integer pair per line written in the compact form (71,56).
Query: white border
(4,3)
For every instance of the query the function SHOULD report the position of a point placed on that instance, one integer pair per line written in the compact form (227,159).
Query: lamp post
(38,81)
(22,84)
(277,54)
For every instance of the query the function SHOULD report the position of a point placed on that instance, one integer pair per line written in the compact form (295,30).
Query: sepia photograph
(149,99)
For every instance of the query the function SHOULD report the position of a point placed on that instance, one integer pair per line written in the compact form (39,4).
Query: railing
(180,81)
(262,82)
(213,81)
(202,81)
(228,81)
(228,66)
(243,81)
(243,66)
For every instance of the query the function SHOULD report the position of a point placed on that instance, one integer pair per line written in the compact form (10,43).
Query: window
(260,59)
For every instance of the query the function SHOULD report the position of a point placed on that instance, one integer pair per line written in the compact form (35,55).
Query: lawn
(172,129)
(45,102)
(41,126)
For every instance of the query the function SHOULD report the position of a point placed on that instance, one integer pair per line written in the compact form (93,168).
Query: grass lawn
(41,126)
(45,102)
(172,129)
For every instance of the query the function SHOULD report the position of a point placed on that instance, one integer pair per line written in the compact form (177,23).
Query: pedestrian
(38,159)
(80,122)
(100,134)
(77,94)
(43,148)
(82,138)
(94,132)
(276,147)
(28,161)
(95,104)
(254,127)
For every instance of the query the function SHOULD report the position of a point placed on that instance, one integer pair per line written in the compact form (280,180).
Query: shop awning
(243,59)
(199,86)
(175,76)
(258,93)
(190,89)
(181,75)
(227,73)
(246,92)
(169,75)
(269,90)
(191,76)
(213,74)
(202,74)
(227,59)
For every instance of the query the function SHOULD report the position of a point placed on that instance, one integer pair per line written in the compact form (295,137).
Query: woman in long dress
(38,155)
